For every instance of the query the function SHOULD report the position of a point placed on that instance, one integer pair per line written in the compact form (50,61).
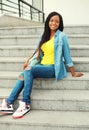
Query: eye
(56,21)
(51,20)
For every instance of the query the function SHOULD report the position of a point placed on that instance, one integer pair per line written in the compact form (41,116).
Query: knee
(27,68)
(21,77)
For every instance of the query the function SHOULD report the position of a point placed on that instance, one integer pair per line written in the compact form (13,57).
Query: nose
(54,23)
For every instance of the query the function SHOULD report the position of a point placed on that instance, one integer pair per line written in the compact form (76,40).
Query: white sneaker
(5,107)
(22,110)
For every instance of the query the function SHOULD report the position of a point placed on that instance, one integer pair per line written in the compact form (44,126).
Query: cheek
(49,24)
(58,24)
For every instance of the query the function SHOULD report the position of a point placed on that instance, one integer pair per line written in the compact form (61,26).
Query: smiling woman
(53,48)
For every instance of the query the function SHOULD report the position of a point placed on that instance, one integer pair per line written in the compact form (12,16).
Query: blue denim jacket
(61,55)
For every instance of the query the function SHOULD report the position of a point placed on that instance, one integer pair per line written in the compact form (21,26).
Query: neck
(52,34)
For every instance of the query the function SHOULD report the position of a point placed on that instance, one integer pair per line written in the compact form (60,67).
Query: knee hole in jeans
(27,68)
(21,77)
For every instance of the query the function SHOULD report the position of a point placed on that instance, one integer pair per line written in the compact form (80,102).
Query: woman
(55,49)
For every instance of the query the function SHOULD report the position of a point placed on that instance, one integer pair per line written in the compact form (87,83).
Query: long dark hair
(46,33)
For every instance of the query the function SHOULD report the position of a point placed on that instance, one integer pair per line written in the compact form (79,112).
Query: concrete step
(79,50)
(17,50)
(76,29)
(16,63)
(19,40)
(68,29)
(21,30)
(67,100)
(8,79)
(76,39)
(7,20)
(48,120)
(22,51)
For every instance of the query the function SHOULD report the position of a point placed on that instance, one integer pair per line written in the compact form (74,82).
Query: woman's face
(54,23)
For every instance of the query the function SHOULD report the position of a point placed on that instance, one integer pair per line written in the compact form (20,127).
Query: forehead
(55,17)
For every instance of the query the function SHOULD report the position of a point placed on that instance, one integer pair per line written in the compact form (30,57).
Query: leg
(38,71)
(28,82)
(16,90)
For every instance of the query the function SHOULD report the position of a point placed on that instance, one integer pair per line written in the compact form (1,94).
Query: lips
(53,26)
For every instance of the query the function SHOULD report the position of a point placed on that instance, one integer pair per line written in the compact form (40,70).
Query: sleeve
(66,52)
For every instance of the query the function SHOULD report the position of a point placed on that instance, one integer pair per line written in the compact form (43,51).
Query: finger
(79,75)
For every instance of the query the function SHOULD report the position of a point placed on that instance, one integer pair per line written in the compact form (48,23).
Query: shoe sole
(5,112)
(16,117)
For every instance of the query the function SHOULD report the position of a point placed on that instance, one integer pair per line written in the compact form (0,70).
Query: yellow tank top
(48,51)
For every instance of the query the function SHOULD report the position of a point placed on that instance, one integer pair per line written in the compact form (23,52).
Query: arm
(67,57)
(37,49)
(35,55)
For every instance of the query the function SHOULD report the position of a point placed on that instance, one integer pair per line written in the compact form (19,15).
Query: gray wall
(73,11)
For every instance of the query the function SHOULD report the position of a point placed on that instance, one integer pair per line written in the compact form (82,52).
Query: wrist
(73,74)
(72,71)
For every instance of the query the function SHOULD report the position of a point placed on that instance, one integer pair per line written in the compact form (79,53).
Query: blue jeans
(37,71)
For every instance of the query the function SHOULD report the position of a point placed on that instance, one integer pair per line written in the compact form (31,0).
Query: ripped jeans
(37,71)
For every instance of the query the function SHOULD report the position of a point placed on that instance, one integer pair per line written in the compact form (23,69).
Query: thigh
(43,71)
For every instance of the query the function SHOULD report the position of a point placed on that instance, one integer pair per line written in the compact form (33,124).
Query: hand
(78,74)
(25,65)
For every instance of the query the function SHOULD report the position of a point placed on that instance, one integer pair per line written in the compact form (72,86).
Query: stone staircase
(62,105)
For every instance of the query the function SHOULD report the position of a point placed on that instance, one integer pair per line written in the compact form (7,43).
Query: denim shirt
(61,55)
